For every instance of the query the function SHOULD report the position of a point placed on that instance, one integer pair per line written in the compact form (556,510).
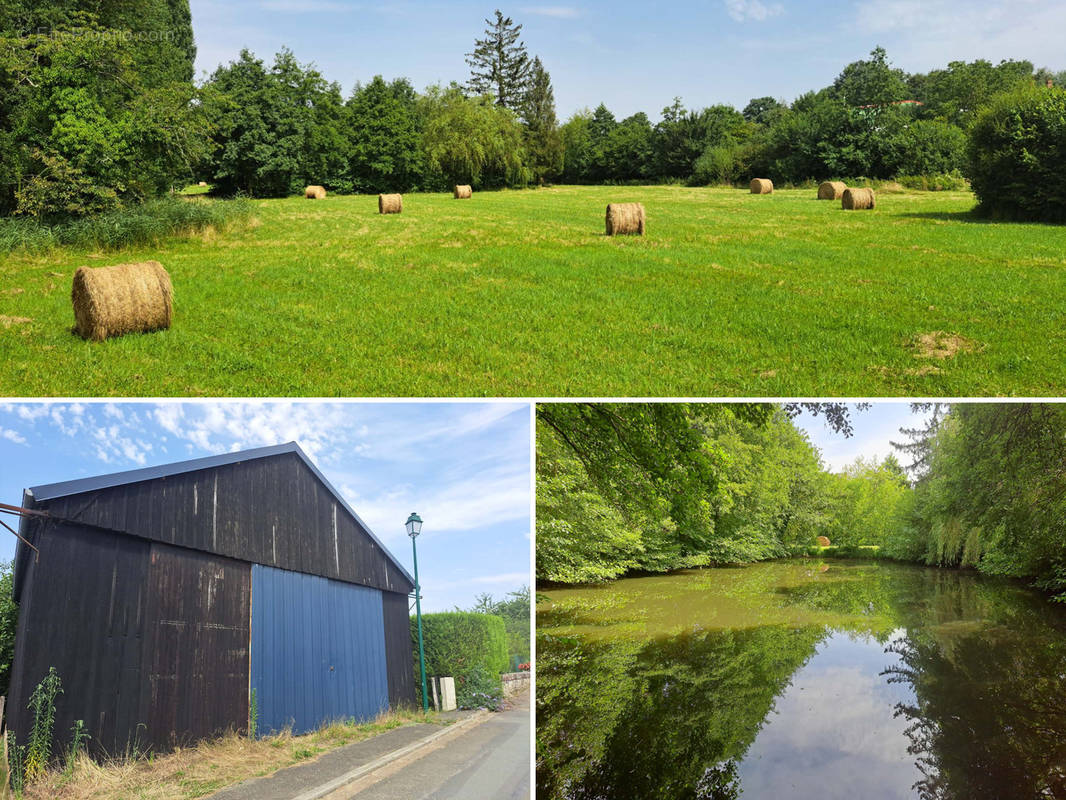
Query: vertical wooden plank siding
(83,612)
(318,650)
(195,683)
(150,641)
(272,511)
(399,649)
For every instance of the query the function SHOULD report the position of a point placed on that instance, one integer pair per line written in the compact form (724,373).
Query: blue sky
(636,56)
(873,430)
(464,467)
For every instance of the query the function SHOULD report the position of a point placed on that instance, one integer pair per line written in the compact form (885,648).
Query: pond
(801,679)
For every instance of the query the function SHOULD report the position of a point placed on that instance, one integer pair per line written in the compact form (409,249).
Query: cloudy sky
(636,56)
(874,429)
(464,467)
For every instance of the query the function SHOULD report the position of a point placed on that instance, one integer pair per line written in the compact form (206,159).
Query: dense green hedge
(457,642)
(1017,156)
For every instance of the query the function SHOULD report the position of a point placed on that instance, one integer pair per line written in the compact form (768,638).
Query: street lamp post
(414,527)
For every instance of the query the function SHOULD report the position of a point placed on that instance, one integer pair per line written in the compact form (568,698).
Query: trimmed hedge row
(464,644)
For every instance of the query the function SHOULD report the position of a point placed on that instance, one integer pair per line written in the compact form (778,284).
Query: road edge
(367,770)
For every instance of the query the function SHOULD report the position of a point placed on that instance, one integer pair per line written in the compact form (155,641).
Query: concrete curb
(366,770)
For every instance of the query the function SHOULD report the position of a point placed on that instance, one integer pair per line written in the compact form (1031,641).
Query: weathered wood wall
(150,641)
(270,511)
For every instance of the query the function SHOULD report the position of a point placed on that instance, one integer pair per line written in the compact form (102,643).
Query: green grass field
(521,294)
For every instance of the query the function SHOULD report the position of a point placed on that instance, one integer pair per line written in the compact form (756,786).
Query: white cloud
(114,444)
(317,427)
(752,10)
(560,12)
(927,34)
(12,436)
(169,418)
(477,501)
(31,412)
(834,720)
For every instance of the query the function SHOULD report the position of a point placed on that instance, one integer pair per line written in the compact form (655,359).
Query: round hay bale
(202,184)
(823,541)
(126,298)
(625,218)
(463,192)
(390,203)
(831,190)
(857,199)
(762,186)
(315,193)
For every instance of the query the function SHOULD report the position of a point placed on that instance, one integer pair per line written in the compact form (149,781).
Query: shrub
(924,147)
(724,163)
(1017,156)
(458,643)
(936,182)
(142,224)
(479,689)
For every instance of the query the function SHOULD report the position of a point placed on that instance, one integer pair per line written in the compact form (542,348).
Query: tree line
(625,488)
(501,129)
(99,109)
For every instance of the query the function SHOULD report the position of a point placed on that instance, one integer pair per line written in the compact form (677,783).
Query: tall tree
(499,65)
(543,140)
(384,136)
(601,125)
(873,82)
(277,130)
(576,143)
(470,140)
(762,109)
(920,446)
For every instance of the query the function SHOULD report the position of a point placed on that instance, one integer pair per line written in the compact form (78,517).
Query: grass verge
(207,767)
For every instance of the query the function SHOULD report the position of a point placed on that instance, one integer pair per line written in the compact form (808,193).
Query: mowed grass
(521,294)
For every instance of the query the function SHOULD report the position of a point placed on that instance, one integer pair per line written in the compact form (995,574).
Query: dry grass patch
(208,767)
(925,369)
(941,345)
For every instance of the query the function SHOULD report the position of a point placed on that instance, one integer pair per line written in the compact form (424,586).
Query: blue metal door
(318,650)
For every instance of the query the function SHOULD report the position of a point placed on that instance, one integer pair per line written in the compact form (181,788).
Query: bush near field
(144,224)
(1017,156)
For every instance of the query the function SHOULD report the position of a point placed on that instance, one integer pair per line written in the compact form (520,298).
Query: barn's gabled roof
(62,489)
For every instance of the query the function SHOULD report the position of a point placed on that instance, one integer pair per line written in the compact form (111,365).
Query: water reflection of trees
(665,718)
(988,719)
(670,717)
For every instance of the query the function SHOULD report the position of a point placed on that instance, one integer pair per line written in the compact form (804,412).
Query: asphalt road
(490,762)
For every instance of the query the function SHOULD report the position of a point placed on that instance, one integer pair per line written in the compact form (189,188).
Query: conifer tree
(499,65)
(544,142)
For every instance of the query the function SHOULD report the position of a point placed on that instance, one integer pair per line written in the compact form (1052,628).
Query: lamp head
(414,525)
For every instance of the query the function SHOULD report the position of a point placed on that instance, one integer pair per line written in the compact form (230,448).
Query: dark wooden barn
(171,599)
